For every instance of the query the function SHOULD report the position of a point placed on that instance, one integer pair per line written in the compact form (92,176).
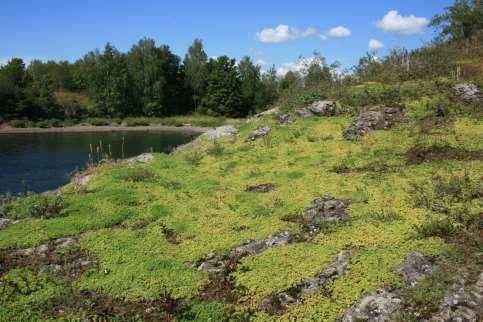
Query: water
(44,161)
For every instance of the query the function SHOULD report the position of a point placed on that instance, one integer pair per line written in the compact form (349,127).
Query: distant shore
(5,129)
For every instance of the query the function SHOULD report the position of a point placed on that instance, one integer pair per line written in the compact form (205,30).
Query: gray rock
(260,132)
(462,302)
(378,306)
(326,209)
(264,187)
(323,108)
(467,92)
(40,250)
(81,181)
(214,263)
(414,267)
(279,302)
(257,246)
(65,242)
(51,268)
(4,222)
(219,132)
(142,158)
(381,119)
(271,111)
(285,119)
(304,113)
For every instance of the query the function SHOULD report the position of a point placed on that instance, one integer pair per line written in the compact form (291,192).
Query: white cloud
(298,67)
(323,37)
(339,32)
(261,62)
(375,44)
(283,33)
(403,25)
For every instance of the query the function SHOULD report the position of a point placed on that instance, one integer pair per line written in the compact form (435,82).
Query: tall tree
(251,86)
(194,65)
(461,21)
(223,95)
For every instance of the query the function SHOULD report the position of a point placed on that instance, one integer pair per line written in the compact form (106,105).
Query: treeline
(148,80)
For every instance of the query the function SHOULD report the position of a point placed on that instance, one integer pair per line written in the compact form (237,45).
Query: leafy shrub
(36,206)
(98,121)
(370,94)
(19,123)
(137,174)
(138,121)
(194,157)
(436,228)
(216,149)
(43,124)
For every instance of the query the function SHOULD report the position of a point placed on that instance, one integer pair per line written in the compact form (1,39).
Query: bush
(36,206)
(139,121)
(98,121)
(137,174)
(19,123)
(43,124)
(436,228)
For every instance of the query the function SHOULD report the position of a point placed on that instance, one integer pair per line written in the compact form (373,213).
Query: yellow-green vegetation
(200,194)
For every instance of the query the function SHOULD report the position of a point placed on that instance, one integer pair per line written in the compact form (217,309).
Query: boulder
(467,92)
(415,267)
(252,247)
(326,209)
(285,119)
(264,187)
(82,180)
(381,119)
(260,132)
(319,108)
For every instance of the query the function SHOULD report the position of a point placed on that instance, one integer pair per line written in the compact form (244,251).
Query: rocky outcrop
(325,209)
(382,304)
(82,180)
(217,133)
(415,267)
(279,302)
(142,158)
(5,222)
(261,188)
(379,306)
(44,249)
(467,93)
(381,119)
(462,302)
(285,119)
(215,263)
(319,108)
(271,111)
(258,133)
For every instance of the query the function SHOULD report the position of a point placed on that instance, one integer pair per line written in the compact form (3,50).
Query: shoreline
(104,128)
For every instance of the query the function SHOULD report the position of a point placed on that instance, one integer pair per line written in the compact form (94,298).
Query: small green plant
(194,157)
(138,174)
(19,123)
(436,228)
(98,121)
(216,149)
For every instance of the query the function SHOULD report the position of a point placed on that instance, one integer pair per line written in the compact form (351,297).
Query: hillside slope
(158,240)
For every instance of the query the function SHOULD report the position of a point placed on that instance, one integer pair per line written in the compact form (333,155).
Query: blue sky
(272,32)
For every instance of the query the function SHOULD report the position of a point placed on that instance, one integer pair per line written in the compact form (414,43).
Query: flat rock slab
(142,158)
(5,222)
(264,187)
(219,132)
(325,209)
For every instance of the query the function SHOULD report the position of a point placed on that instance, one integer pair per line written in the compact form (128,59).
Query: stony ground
(368,218)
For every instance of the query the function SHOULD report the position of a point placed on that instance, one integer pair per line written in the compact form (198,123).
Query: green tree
(194,65)
(223,94)
(290,80)
(251,85)
(462,20)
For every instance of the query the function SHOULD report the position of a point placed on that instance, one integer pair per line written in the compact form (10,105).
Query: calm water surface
(44,161)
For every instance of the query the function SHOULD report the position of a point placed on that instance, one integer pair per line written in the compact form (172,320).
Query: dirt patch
(419,154)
